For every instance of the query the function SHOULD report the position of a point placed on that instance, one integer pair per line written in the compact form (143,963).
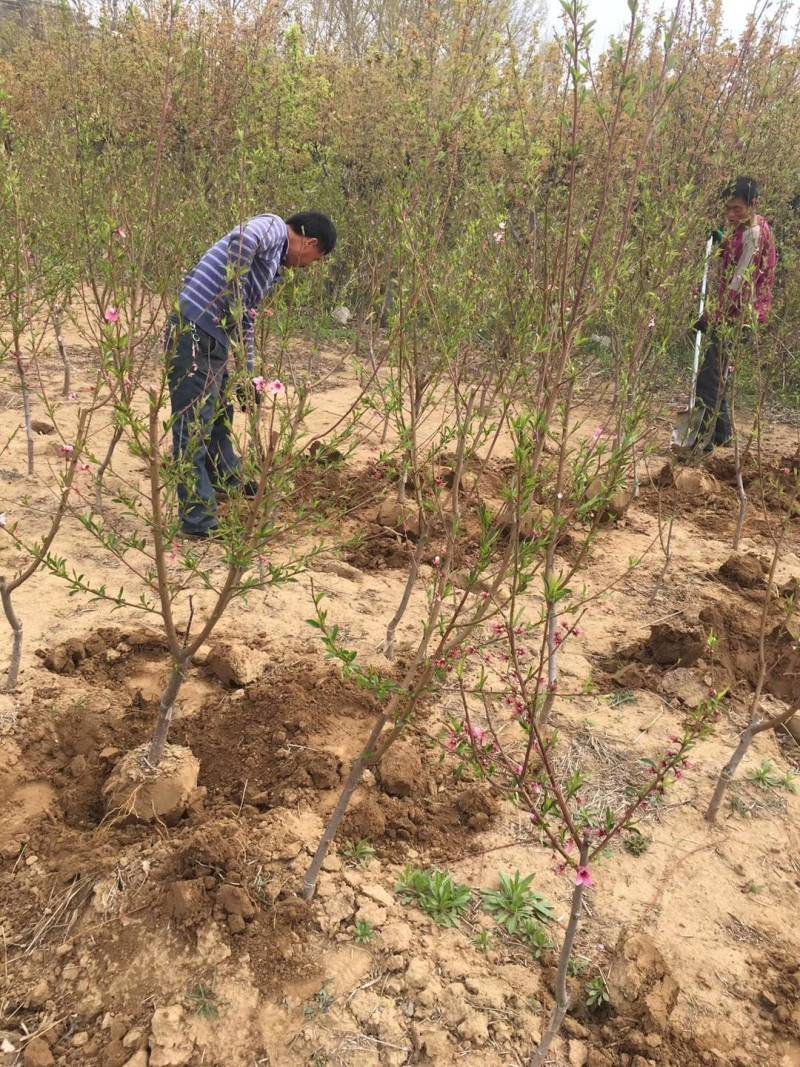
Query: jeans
(711,390)
(202,419)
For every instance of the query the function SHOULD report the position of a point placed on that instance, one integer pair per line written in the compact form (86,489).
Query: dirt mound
(270,745)
(380,550)
(100,649)
(674,646)
(477,807)
(617,504)
(328,486)
(732,663)
(777,978)
(736,655)
(747,571)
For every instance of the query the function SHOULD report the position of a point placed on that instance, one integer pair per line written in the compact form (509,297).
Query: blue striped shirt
(222,293)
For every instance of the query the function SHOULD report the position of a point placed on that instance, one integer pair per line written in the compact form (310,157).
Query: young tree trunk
(101,470)
(391,629)
(16,629)
(388,301)
(740,491)
(58,323)
(666,548)
(746,739)
(26,402)
(356,771)
(561,1005)
(166,708)
(552,645)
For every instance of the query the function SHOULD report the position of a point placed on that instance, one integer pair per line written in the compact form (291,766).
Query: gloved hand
(701,324)
(245,392)
(717,236)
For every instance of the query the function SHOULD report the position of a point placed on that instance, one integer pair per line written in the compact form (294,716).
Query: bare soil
(125,943)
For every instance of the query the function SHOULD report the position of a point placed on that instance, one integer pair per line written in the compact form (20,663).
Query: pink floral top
(747,274)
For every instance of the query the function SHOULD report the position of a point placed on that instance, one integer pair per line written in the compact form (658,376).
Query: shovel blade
(686,429)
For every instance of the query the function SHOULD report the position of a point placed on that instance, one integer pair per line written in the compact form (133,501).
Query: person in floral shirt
(747,262)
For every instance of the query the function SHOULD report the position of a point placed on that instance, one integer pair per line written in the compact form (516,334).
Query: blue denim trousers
(202,419)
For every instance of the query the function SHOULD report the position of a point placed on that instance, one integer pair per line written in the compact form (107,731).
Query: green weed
(435,893)
(515,901)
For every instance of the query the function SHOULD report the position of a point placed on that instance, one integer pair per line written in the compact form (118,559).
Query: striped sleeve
(242,248)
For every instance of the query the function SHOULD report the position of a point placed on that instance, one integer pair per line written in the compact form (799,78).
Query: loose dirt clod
(401,516)
(695,483)
(686,686)
(188,902)
(745,571)
(617,504)
(400,770)
(365,820)
(132,793)
(670,645)
(236,664)
(37,1054)
(477,807)
(41,427)
(640,983)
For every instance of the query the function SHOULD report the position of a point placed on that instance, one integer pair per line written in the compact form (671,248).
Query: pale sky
(612,15)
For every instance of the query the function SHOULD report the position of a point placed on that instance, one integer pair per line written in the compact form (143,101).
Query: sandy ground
(107,962)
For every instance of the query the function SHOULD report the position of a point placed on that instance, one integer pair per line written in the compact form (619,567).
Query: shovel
(687,425)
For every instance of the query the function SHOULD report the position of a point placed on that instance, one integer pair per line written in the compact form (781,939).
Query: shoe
(214,534)
(248,489)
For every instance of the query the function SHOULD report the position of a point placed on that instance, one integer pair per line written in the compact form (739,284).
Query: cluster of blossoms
(274,388)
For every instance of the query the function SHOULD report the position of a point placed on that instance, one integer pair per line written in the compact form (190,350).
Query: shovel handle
(698,338)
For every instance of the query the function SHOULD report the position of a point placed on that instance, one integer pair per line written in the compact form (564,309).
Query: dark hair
(742,188)
(316,225)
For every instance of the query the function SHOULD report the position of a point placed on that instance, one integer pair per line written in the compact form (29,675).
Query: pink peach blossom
(583,876)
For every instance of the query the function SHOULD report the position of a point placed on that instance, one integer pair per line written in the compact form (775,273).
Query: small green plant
(620,697)
(738,807)
(515,901)
(203,1002)
(360,854)
(636,843)
(321,1003)
(535,937)
(435,893)
(596,993)
(753,888)
(364,932)
(589,686)
(765,777)
(577,966)
(483,941)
